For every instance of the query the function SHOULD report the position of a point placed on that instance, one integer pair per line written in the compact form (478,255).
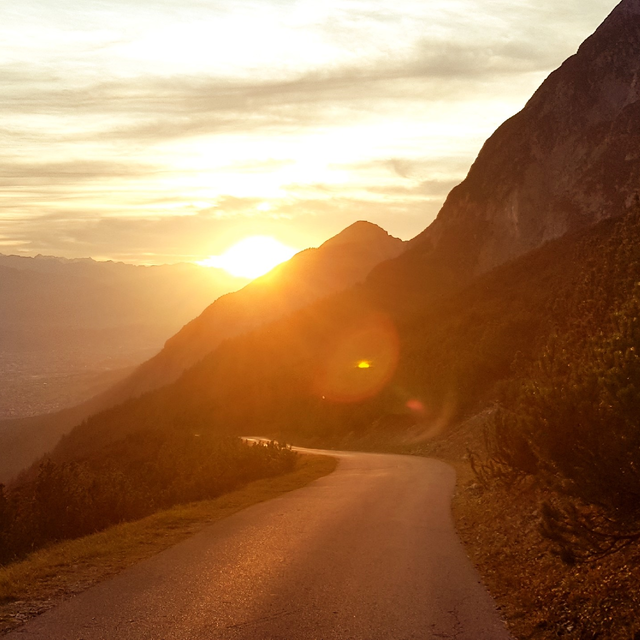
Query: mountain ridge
(568,159)
(341,261)
(311,274)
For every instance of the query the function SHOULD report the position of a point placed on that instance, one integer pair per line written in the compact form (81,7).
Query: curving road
(366,553)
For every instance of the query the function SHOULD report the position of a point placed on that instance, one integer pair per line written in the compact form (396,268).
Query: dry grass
(34,585)
(539,596)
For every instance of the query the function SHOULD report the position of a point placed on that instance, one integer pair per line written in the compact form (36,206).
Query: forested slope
(427,365)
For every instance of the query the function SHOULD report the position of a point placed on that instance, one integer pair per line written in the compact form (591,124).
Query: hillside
(428,366)
(312,274)
(429,347)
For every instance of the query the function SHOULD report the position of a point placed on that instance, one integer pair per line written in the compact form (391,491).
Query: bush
(131,479)
(573,422)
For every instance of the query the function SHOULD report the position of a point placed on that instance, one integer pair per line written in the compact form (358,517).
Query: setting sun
(251,257)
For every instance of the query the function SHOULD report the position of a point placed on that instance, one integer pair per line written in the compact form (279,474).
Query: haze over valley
(71,328)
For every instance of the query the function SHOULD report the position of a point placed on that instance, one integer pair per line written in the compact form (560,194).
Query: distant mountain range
(57,293)
(70,328)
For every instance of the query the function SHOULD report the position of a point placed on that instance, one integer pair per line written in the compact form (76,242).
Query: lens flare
(416,406)
(361,360)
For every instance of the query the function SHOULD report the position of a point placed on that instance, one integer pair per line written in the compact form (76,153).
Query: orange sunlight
(251,257)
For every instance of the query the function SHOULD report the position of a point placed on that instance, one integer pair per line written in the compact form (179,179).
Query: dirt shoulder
(538,595)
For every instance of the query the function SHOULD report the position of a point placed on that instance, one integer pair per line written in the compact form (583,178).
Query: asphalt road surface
(366,553)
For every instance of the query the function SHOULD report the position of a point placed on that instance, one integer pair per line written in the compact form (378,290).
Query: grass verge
(32,586)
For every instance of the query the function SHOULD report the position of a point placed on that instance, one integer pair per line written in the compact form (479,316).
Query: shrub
(131,479)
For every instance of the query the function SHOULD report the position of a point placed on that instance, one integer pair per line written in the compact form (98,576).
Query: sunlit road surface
(366,553)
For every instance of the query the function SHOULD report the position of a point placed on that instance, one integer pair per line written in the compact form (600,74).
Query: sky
(155,131)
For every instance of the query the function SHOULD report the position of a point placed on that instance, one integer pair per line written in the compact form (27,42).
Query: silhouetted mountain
(340,262)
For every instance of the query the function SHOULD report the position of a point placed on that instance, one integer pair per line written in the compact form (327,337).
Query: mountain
(298,377)
(339,263)
(431,332)
(571,157)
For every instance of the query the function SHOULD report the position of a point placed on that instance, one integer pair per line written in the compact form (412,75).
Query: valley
(71,329)
(34,383)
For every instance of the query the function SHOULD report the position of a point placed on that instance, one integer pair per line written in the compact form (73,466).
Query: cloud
(451,62)
(19,173)
(410,167)
(129,139)
(427,188)
(195,235)
(259,166)
(156,108)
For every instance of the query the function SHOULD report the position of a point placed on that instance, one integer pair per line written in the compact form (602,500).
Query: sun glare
(251,257)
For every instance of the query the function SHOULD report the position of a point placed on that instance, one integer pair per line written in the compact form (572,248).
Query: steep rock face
(570,158)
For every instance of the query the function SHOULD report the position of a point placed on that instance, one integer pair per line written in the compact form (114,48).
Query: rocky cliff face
(570,158)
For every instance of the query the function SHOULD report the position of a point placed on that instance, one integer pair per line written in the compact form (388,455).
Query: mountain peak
(569,159)
(360,232)
(620,28)
(628,6)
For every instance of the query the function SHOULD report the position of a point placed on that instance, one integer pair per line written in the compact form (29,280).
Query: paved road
(366,553)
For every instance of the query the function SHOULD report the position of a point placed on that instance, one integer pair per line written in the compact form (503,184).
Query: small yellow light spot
(364,364)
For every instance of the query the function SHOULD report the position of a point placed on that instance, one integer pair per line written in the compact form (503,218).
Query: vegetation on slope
(132,478)
(450,356)
(563,461)
(571,421)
